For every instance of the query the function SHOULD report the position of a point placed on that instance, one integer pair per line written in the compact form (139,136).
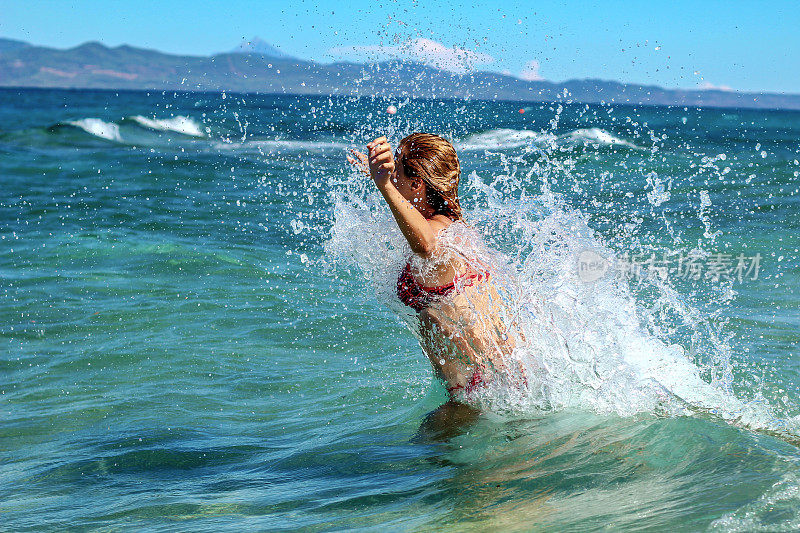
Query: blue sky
(741,45)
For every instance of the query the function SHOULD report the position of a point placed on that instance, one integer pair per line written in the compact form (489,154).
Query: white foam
(504,138)
(98,128)
(178,124)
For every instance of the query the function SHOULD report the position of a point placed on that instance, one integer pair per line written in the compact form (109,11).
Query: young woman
(459,309)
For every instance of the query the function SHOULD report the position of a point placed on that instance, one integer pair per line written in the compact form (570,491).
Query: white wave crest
(179,124)
(503,138)
(98,128)
(597,137)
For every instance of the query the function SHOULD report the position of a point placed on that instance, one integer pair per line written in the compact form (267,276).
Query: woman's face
(412,189)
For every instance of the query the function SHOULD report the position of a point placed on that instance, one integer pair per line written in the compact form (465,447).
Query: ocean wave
(503,138)
(129,129)
(96,127)
(759,515)
(178,124)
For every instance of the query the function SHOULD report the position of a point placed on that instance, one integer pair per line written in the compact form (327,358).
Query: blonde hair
(433,160)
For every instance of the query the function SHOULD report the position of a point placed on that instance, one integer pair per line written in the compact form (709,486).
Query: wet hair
(433,160)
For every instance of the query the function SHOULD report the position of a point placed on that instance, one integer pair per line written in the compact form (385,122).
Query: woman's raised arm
(418,231)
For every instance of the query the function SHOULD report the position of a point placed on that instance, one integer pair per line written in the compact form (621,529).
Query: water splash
(605,344)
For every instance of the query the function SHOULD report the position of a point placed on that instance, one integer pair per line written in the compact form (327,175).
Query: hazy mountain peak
(90,45)
(256,45)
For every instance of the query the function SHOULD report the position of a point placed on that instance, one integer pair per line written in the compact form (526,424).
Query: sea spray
(594,344)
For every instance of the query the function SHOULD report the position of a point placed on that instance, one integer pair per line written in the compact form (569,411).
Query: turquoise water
(198,329)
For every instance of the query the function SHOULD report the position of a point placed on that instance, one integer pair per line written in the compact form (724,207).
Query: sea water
(199,327)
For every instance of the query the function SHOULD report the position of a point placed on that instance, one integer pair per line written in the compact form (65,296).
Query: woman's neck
(427,211)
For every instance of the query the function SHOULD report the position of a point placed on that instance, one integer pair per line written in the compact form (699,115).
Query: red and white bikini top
(418,297)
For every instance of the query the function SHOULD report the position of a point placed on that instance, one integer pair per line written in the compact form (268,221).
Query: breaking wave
(506,138)
(178,124)
(132,129)
(96,127)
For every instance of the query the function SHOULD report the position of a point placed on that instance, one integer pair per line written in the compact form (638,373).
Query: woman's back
(461,327)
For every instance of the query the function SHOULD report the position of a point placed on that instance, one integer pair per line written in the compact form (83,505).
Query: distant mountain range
(257,67)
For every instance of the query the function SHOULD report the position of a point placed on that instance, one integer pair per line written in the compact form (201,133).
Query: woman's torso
(458,306)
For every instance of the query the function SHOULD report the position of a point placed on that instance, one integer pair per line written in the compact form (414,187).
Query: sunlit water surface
(199,328)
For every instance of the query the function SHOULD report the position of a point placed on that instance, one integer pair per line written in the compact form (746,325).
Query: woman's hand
(381,161)
(359,161)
